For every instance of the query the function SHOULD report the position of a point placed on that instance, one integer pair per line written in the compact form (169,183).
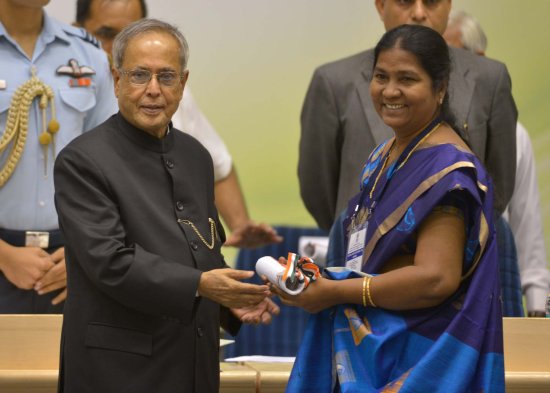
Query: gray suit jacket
(340,127)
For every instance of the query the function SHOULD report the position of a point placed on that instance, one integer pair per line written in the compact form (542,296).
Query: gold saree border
(393,219)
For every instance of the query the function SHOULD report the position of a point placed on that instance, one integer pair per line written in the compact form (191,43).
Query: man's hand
(55,278)
(24,266)
(262,312)
(224,287)
(253,235)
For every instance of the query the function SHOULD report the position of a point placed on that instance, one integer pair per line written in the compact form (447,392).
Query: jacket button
(179,205)
(200,332)
(169,164)
(194,245)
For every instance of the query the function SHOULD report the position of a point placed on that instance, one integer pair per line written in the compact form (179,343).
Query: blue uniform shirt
(27,198)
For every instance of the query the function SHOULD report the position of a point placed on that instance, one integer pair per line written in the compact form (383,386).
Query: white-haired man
(149,287)
(523,211)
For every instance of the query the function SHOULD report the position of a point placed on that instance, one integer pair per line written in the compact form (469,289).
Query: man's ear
(116,80)
(184,79)
(379,4)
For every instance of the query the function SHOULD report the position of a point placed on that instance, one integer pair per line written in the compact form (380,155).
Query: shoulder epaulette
(83,35)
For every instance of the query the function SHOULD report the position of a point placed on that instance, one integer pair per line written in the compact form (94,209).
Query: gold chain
(212,231)
(418,144)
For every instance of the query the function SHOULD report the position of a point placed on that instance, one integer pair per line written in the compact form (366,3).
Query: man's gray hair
(473,36)
(143,26)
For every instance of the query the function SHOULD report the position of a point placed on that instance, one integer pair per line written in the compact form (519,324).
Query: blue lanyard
(369,187)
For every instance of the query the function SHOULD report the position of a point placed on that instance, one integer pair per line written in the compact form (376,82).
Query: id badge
(356,247)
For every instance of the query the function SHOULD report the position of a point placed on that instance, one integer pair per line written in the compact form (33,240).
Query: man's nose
(153,87)
(418,12)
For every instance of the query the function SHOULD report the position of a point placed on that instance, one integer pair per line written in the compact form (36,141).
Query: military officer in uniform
(55,83)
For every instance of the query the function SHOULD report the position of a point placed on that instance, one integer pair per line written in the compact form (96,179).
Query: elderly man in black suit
(149,286)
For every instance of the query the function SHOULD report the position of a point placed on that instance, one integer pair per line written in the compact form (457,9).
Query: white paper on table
(224,342)
(262,358)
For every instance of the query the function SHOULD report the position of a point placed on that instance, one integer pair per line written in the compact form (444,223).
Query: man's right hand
(224,287)
(55,278)
(24,266)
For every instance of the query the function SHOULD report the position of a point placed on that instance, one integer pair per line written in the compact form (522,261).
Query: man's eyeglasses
(143,77)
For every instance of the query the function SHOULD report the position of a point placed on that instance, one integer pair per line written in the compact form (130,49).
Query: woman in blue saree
(417,306)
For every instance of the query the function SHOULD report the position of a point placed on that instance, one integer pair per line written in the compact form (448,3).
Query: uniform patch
(72,68)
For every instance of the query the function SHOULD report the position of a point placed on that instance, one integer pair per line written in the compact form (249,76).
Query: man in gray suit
(340,126)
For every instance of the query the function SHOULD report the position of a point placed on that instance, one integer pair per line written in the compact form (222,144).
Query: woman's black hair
(431,50)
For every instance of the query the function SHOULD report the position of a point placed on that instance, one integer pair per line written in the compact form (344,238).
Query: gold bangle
(371,303)
(364,287)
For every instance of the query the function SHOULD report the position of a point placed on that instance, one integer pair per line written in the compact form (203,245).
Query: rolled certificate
(274,271)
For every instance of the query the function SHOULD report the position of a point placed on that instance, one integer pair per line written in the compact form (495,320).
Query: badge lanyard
(369,196)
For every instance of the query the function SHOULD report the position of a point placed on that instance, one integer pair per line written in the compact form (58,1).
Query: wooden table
(238,378)
(272,377)
(29,358)
(527,355)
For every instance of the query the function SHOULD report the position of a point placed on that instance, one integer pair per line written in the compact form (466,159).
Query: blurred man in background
(339,126)
(523,212)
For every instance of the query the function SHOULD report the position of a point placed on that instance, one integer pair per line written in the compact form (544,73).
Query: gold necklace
(418,144)
(17,123)
(210,245)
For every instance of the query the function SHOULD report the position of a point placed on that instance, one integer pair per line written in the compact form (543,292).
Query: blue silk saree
(453,347)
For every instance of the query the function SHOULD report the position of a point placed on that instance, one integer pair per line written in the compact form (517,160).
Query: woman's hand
(316,297)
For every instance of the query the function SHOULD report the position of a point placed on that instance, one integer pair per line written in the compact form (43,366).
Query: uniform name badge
(356,247)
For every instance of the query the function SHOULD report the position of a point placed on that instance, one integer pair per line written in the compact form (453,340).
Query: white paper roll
(273,270)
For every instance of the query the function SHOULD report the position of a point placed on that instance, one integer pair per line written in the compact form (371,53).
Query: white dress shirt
(524,215)
(189,118)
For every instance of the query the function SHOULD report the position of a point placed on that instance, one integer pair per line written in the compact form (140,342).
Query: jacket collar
(51,30)
(143,139)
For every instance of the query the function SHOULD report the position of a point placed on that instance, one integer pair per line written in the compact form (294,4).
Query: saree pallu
(453,347)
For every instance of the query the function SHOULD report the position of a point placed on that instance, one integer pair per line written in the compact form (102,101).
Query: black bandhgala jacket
(132,320)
